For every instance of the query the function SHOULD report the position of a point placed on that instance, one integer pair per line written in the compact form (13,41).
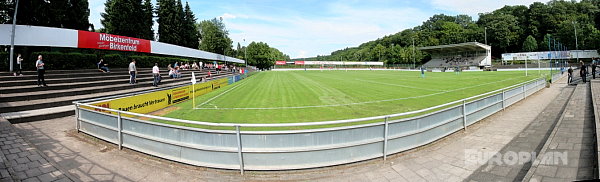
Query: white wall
(60,37)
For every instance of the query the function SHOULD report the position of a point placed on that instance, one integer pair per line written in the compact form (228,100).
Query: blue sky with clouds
(306,28)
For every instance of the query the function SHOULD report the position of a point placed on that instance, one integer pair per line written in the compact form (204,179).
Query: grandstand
(469,54)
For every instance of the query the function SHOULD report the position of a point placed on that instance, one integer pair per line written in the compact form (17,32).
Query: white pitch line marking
(356,103)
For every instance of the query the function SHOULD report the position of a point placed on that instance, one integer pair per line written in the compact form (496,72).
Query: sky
(307,28)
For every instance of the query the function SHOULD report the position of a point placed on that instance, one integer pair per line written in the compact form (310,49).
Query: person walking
(593,70)
(19,68)
(582,71)
(39,64)
(132,72)
(570,72)
(156,75)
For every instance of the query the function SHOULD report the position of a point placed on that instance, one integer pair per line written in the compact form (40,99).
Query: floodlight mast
(576,44)
(12,36)
(413,51)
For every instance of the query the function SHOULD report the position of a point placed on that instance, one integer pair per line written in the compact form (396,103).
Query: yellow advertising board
(153,101)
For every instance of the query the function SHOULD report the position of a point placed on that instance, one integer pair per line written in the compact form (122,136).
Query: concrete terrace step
(78,83)
(51,75)
(568,153)
(26,111)
(10,84)
(92,73)
(33,92)
(39,114)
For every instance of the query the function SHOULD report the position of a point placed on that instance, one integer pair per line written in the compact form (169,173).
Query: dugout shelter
(468,54)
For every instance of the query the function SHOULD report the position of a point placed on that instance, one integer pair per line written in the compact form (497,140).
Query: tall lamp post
(485,35)
(12,36)
(576,44)
(245,54)
(413,51)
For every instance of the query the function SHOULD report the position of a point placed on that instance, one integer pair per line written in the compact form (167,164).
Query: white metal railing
(337,145)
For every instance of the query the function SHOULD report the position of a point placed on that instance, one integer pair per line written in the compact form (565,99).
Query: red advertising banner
(280,62)
(94,40)
(299,62)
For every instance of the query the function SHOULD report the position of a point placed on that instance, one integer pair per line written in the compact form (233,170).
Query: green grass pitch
(311,96)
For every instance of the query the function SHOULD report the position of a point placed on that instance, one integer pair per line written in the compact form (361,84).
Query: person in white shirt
(19,68)
(156,74)
(39,64)
(132,72)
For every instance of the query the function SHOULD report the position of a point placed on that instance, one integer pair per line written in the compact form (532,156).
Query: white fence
(294,149)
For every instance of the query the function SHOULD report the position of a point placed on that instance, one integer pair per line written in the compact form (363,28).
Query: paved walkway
(21,162)
(569,154)
(531,139)
(88,159)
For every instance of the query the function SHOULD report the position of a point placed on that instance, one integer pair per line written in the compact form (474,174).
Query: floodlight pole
(413,51)
(485,34)
(576,44)
(12,37)
(245,54)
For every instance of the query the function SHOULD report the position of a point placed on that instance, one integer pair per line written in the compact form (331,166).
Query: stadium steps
(577,79)
(22,101)
(573,134)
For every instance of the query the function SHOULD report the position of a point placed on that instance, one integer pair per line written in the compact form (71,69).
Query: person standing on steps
(156,74)
(582,71)
(39,64)
(570,72)
(19,68)
(132,72)
(593,70)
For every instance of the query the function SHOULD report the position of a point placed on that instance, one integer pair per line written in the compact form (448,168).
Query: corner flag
(193,78)
(193,90)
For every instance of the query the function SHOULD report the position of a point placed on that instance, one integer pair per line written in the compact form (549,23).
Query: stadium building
(469,55)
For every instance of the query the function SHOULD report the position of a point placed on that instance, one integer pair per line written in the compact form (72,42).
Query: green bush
(4,61)
(116,60)
(66,61)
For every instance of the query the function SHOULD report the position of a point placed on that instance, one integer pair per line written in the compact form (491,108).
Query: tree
(214,37)
(191,36)
(146,21)
(77,15)
(378,50)
(169,21)
(6,10)
(503,31)
(259,55)
(58,13)
(127,18)
(530,44)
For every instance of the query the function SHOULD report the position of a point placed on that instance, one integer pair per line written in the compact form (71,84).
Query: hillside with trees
(509,29)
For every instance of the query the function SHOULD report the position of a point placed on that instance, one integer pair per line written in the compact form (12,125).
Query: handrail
(305,123)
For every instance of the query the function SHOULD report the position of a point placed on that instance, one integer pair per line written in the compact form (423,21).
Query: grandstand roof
(467,46)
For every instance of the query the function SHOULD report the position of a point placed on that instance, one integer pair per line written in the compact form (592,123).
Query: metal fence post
(239,142)
(464,107)
(523,90)
(503,100)
(385,138)
(120,132)
(77,117)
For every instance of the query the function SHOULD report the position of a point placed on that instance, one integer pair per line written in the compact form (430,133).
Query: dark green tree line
(508,29)
(132,18)
(72,14)
(176,24)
